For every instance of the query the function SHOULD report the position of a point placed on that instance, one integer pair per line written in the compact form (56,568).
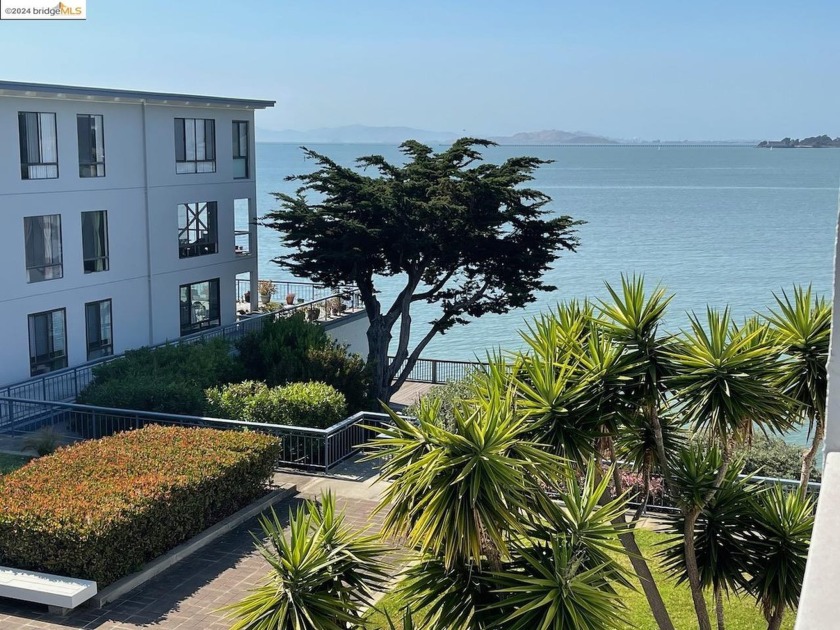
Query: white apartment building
(125,219)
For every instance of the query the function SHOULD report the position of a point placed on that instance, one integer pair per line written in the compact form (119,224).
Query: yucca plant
(778,545)
(725,382)
(723,558)
(323,574)
(801,327)
(458,493)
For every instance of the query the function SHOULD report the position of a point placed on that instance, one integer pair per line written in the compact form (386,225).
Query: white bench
(60,594)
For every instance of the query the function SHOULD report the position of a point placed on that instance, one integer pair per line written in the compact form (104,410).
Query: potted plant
(290,298)
(267,289)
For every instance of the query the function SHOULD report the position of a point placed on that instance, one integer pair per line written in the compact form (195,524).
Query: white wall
(351,330)
(145,272)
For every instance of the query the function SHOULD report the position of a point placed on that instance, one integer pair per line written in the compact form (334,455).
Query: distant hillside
(553,136)
(814,142)
(356,134)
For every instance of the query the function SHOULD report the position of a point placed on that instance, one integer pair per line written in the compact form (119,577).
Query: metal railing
(439,371)
(66,384)
(301,447)
(242,244)
(302,291)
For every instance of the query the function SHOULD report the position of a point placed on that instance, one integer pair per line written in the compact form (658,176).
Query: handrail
(187,418)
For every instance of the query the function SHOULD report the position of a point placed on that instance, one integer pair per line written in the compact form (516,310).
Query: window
(197,233)
(195,145)
(100,342)
(47,342)
(38,151)
(199,306)
(95,241)
(43,247)
(91,145)
(240,149)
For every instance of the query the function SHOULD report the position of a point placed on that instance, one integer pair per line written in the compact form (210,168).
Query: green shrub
(310,404)
(773,457)
(290,350)
(446,394)
(168,379)
(100,509)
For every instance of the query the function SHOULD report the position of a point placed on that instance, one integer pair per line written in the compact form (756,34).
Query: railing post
(434,371)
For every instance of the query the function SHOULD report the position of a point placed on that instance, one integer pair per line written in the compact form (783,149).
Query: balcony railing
(301,447)
(242,243)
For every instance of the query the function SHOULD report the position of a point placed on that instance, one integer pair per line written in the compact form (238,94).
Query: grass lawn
(741,614)
(8,463)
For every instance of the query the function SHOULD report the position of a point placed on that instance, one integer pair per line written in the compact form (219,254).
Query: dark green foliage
(468,236)
(310,404)
(773,457)
(168,379)
(290,349)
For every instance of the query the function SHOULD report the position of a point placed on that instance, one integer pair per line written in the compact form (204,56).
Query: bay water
(715,225)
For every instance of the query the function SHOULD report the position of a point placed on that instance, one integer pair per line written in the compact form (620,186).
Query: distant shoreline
(614,145)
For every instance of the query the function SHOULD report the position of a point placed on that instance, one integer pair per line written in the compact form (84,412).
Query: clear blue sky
(649,69)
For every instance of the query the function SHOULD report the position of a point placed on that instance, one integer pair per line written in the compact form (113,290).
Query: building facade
(125,219)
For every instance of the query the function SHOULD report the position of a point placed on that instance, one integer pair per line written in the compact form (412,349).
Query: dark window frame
(182,161)
(25,162)
(195,316)
(202,235)
(53,360)
(43,267)
(237,152)
(89,265)
(100,348)
(89,166)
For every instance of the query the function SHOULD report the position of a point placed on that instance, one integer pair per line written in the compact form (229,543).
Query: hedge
(290,349)
(101,509)
(313,404)
(167,379)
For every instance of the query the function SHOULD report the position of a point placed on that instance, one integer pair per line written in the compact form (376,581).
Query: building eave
(106,95)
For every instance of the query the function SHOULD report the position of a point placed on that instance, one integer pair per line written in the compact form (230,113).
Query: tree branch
(437,287)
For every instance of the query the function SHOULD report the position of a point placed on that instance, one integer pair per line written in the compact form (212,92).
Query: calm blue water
(715,225)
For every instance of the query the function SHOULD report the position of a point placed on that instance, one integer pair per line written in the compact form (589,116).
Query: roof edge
(68,91)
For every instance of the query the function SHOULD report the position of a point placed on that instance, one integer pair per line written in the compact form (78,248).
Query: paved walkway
(188,595)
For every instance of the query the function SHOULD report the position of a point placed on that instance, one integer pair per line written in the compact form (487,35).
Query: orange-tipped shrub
(101,509)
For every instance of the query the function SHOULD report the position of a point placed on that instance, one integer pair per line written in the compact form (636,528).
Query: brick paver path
(188,595)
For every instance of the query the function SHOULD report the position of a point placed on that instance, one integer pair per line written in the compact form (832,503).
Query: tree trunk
(719,607)
(638,561)
(693,572)
(640,567)
(811,454)
(379,338)
(776,619)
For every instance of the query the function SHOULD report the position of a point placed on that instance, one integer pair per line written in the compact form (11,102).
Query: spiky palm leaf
(322,574)
(453,598)
(802,327)
(722,557)
(458,493)
(549,588)
(726,380)
(778,545)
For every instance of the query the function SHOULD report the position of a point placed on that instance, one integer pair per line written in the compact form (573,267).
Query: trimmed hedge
(101,509)
(312,404)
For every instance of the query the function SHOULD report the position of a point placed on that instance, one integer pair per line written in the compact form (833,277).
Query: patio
(188,595)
